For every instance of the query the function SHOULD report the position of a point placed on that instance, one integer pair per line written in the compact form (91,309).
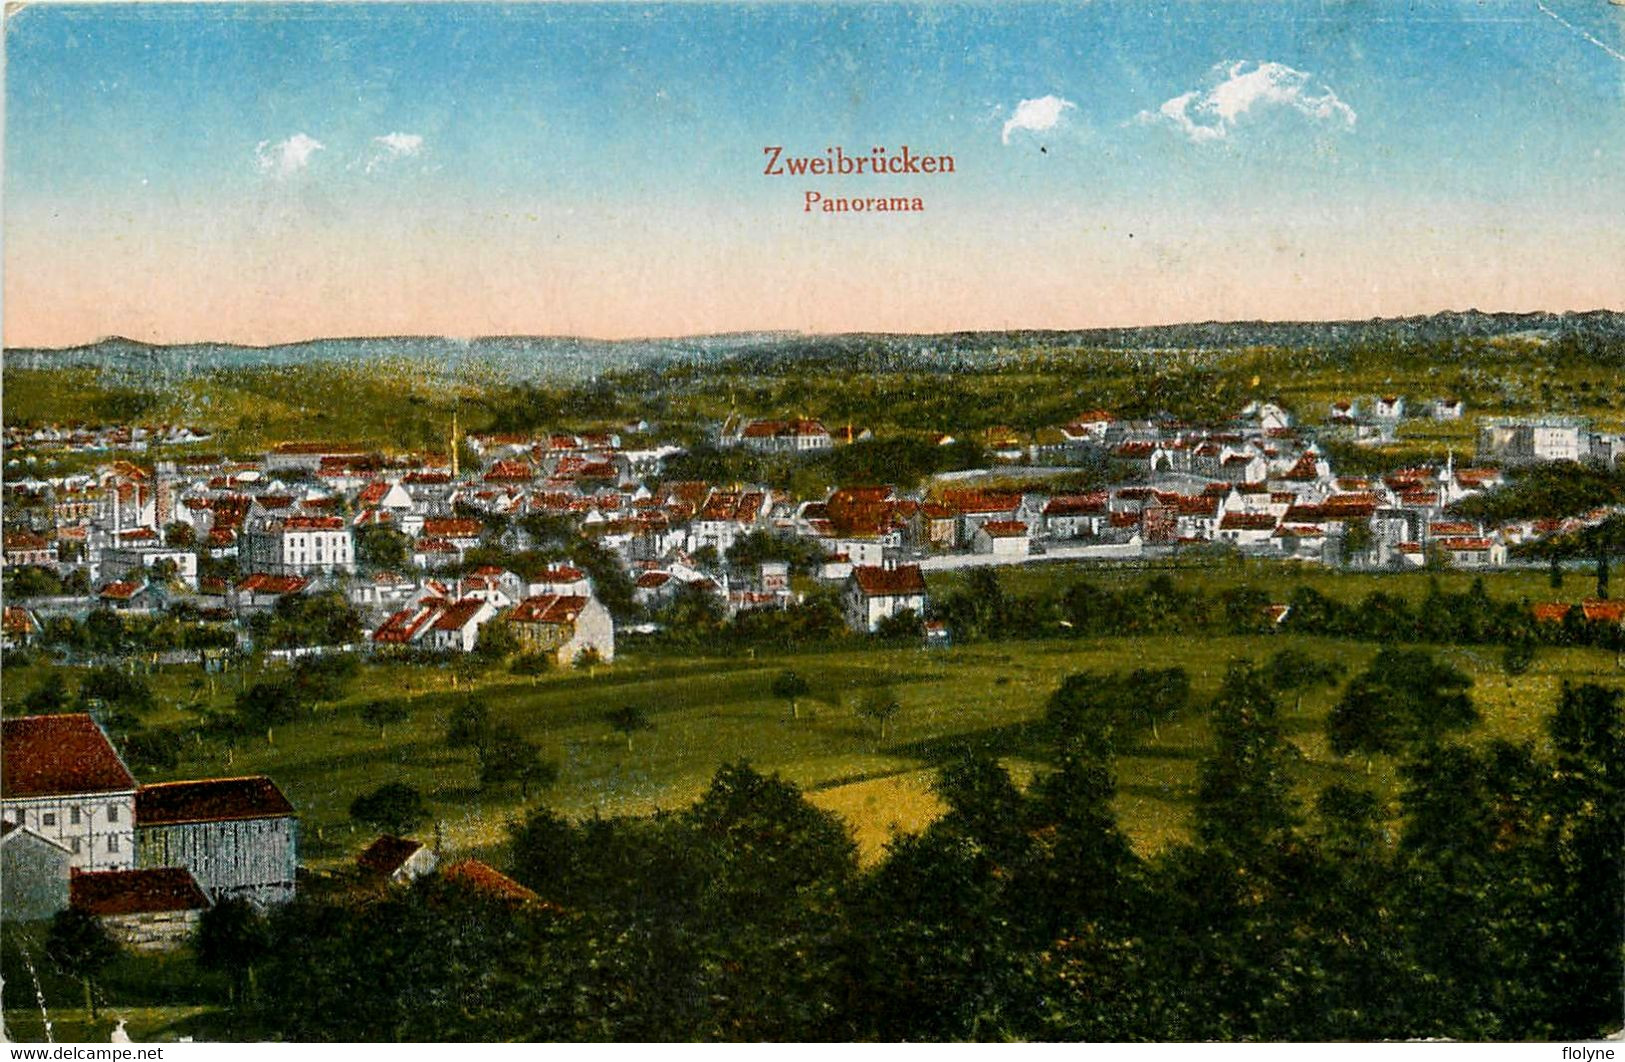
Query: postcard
(855,522)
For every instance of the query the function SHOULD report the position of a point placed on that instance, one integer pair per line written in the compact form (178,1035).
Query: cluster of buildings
(294,521)
(95,438)
(76,830)
(146,861)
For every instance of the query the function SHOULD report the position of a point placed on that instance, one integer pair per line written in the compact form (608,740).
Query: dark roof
(875,582)
(120,892)
(53,755)
(388,854)
(210,800)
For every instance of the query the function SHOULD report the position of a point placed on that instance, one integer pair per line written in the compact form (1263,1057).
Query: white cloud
(1037,115)
(286,157)
(392,146)
(1236,88)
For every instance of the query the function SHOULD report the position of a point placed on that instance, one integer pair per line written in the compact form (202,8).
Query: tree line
(1481,903)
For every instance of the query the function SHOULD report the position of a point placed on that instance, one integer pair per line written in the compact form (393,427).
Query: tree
(384,549)
(51,695)
(32,582)
(469,722)
(628,719)
(1404,698)
(233,937)
(496,641)
(1293,671)
(1518,656)
(179,535)
(791,687)
(904,625)
(393,807)
(1244,800)
(381,713)
(268,703)
(505,756)
(114,686)
(80,947)
(880,707)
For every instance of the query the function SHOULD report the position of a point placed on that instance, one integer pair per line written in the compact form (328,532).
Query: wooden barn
(237,836)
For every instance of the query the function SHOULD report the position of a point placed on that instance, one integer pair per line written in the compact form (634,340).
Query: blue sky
(257,171)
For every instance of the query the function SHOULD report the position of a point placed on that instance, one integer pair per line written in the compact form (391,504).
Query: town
(320,579)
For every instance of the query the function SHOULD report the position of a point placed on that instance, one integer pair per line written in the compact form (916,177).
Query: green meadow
(708,711)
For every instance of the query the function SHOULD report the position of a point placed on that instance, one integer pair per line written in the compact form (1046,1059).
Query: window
(74,844)
(112,813)
(48,818)
(73,816)
(112,842)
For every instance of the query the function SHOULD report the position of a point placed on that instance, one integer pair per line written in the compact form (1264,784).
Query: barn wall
(257,859)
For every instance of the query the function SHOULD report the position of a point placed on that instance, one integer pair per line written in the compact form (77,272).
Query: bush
(531,664)
(394,807)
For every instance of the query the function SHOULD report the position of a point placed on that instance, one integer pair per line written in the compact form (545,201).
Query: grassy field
(710,711)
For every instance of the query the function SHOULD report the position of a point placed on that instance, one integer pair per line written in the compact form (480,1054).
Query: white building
(300,545)
(64,781)
(877,593)
(1515,441)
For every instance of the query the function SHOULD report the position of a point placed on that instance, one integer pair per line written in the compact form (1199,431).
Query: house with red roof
(877,592)
(239,837)
(457,628)
(801,435)
(1472,551)
(1002,538)
(261,590)
(62,778)
(18,627)
(560,579)
(299,545)
(25,548)
(564,626)
(397,860)
(410,625)
(1246,529)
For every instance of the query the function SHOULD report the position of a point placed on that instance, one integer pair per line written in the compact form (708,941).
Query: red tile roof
(1076,504)
(453,527)
(56,755)
(561,574)
(121,591)
(388,854)
(889,582)
(548,608)
(459,615)
(1247,522)
(210,800)
(263,583)
(400,627)
(1604,611)
(1005,529)
(976,501)
(313,523)
(124,892)
(483,878)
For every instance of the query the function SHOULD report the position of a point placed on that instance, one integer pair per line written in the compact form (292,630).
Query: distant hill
(532,357)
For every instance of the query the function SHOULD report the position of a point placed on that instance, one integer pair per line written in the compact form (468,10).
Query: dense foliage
(1485,905)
